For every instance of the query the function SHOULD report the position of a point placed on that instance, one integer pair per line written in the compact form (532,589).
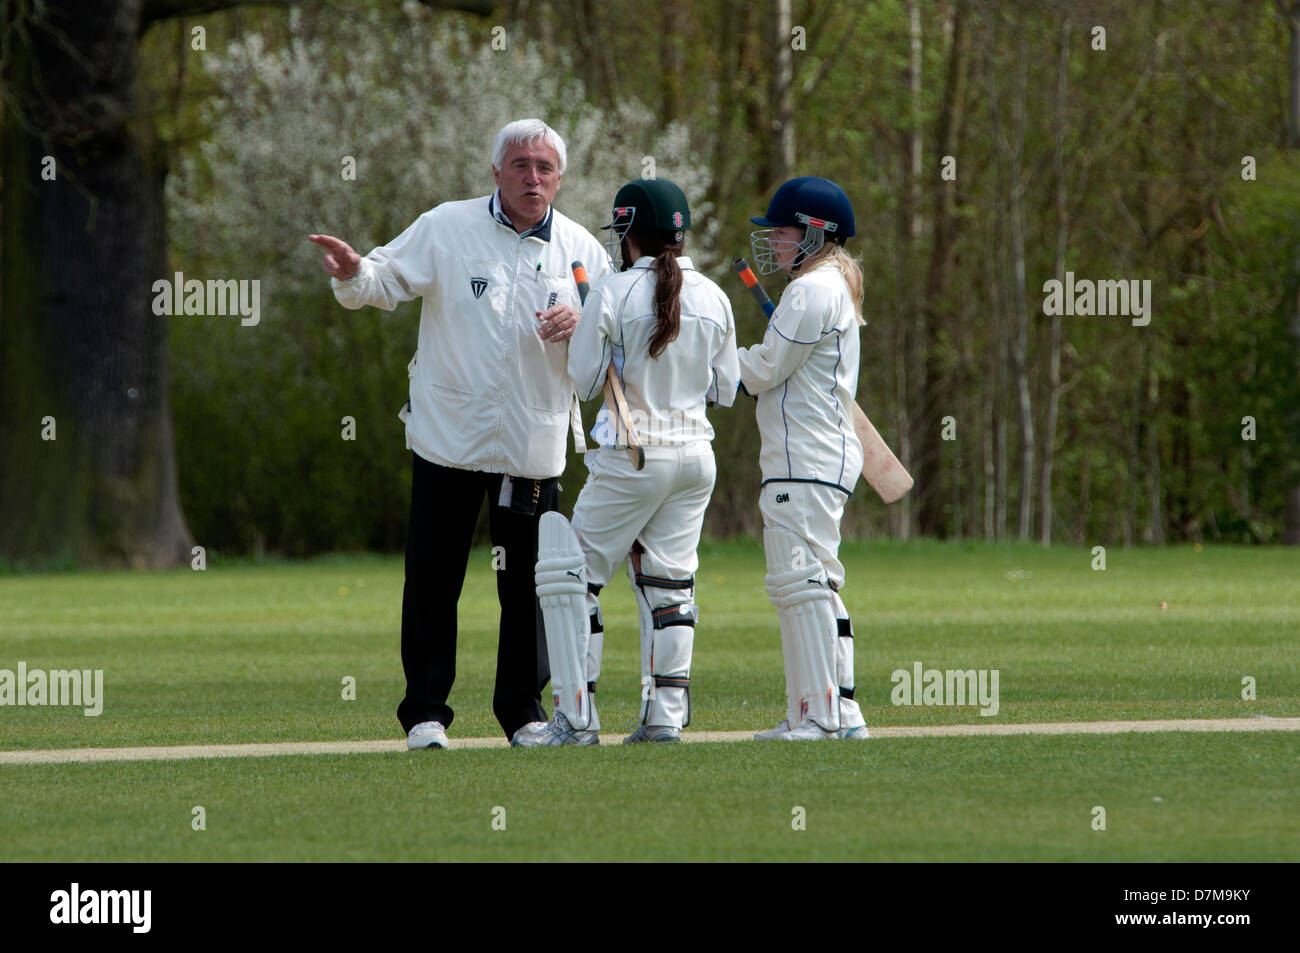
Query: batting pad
(666,648)
(561,578)
(850,713)
(799,589)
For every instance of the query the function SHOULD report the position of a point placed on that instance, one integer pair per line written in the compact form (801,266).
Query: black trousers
(444,510)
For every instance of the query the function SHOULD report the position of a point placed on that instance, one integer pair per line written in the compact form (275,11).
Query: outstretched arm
(399,271)
(340,260)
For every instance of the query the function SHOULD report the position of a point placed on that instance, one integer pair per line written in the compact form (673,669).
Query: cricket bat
(624,433)
(880,467)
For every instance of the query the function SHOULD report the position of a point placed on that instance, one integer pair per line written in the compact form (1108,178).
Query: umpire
(490,406)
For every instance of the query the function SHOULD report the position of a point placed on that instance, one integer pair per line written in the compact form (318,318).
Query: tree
(365,150)
(1291,530)
(88,469)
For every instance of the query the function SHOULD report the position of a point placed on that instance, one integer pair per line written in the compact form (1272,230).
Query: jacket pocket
(450,391)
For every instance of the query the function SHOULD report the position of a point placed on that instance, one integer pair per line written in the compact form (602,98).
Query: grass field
(259,653)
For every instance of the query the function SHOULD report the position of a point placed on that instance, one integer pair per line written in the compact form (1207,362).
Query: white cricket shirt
(805,375)
(486,392)
(666,396)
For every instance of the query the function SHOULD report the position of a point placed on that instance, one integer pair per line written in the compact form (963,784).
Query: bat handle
(580,277)
(751,282)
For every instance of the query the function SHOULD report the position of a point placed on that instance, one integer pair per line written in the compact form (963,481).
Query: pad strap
(666,681)
(683,614)
(658,582)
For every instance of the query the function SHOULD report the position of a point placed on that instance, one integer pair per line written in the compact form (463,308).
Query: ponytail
(665,246)
(668,304)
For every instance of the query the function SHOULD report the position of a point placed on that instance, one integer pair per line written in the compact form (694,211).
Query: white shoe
(772,734)
(557,731)
(427,734)
(808,730)
(527,731)
(647,733)
(857,733)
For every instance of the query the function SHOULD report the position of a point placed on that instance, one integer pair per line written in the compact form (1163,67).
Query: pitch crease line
(273,749)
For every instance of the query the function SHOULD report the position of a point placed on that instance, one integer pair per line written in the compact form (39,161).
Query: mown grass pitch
(259,653)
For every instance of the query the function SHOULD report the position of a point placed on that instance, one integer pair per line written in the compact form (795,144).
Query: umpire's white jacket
(665,395)
(486,392)
(805,375)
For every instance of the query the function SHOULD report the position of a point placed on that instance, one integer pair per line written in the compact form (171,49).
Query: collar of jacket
(646,261)
(541,230)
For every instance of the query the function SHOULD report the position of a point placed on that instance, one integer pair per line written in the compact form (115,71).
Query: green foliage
(259,410)
(1148,443)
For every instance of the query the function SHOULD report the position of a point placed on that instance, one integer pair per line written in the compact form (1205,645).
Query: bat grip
(580,278)
(751,282)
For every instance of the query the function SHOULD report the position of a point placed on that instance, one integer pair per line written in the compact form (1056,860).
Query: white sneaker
(518,738)
(773,733)
(808,730)
(857,733)
(427,734)
(647,733)
(557,731)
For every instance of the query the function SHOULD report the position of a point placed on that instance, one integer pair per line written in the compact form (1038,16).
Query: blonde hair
(848,266)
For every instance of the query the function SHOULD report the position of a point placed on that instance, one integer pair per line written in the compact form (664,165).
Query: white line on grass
(186,752)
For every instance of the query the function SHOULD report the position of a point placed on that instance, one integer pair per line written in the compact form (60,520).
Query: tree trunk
(938,397)
(781,56)
(1293,77)
(1291,515)
(1150,402)
(79,342)
(914,354)
(1020,344)
(1062,235)
(672,14)
(989,471)
(82,355)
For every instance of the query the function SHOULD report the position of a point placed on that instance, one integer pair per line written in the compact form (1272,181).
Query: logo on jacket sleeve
(478,286)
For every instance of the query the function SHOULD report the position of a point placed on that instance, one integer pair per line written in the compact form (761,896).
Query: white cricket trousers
(662,507)
(811,511)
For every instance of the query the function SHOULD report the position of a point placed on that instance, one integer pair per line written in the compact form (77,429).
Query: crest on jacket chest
(478,286)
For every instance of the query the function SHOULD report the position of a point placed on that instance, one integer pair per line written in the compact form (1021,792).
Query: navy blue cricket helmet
(816,205)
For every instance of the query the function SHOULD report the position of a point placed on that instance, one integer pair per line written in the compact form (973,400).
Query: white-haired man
(489,409)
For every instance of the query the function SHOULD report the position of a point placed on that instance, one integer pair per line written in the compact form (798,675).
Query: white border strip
(189,752)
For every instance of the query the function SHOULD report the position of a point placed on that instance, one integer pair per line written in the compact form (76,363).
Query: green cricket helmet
(652,204)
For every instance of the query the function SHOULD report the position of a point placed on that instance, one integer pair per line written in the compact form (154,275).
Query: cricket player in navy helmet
(670,335)
(805,376)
